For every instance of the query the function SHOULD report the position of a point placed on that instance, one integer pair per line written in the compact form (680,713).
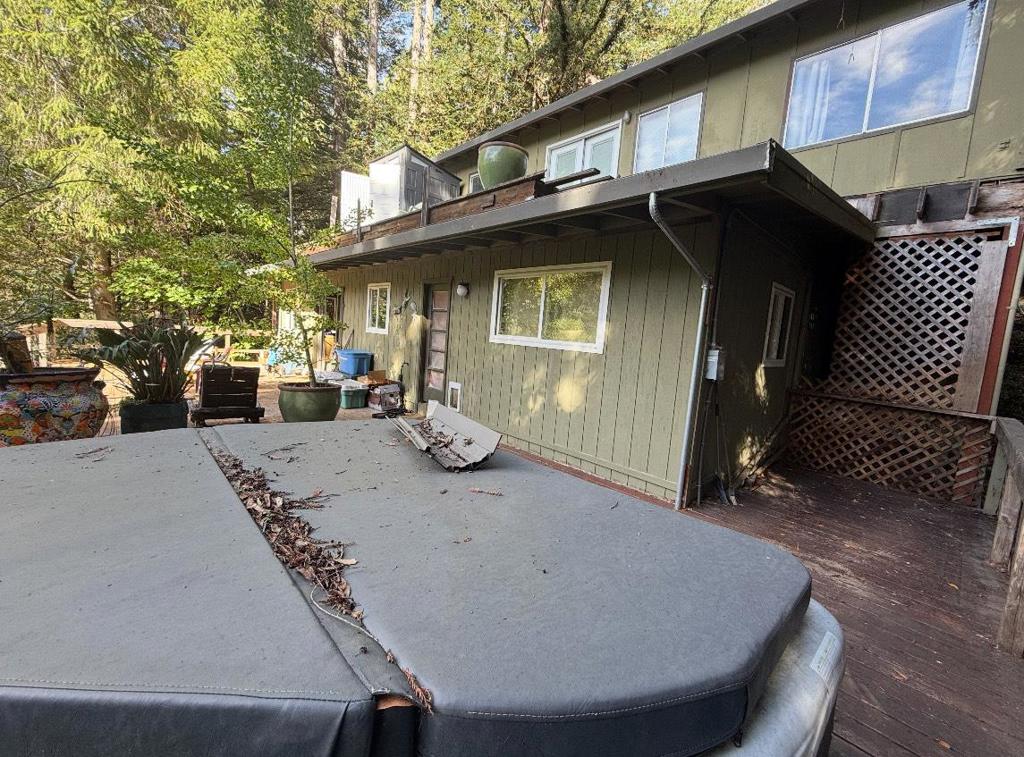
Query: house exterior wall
(746,84)
(754,399)
(617,414)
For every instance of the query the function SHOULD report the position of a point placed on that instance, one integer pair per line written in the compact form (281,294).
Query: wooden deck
(908,580)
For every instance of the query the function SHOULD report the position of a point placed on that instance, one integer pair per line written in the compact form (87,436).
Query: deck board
(908,579)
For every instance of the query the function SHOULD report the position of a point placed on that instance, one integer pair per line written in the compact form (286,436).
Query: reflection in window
(922,68)
(668,135)
(559,307)
(519,308)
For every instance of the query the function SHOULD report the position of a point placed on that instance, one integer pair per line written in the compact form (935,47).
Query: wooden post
(1011,629)
(1007,526)
(996,480)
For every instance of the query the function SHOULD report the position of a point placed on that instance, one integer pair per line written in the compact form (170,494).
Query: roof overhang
(658,65)
(763,180)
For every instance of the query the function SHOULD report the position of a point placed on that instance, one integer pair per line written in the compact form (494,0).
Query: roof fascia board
(792,179)
(697,45)
(757,159)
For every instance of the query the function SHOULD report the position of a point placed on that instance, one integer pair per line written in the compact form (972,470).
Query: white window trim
(666,106)
(469,182)
(457,407)
(971,101)
(582,137)
(596,347)
(387,312)
(786,291)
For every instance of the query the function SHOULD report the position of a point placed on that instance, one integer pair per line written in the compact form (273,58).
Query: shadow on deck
(908,580)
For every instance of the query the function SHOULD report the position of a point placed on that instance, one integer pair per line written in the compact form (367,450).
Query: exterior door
(435,358)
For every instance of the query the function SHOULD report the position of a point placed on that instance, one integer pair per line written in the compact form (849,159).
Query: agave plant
(152,358)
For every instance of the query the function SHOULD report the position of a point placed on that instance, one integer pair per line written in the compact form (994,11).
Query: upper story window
(920,69)
(669,134)
(378,308)
(557,307)
(475,185)
(598,149)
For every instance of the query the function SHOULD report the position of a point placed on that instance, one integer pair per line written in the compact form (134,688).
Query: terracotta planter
(51,405)
(301,402)
(498,162)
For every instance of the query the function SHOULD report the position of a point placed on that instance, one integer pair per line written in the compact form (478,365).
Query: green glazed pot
(498,162)
(301,402)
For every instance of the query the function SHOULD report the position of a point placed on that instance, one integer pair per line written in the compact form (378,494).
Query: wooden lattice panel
(938,455)
(904,320)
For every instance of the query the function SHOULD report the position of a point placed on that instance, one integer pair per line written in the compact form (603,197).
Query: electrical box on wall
(714,366)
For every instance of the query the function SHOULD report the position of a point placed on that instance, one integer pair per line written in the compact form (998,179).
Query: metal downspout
(698,349)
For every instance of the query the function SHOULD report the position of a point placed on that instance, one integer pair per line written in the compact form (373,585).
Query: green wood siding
(746,84)
(617,414)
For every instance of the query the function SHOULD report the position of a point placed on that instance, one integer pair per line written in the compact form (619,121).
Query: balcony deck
(908,579)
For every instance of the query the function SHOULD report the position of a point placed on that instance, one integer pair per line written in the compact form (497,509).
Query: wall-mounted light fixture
(462,289)
(627,116)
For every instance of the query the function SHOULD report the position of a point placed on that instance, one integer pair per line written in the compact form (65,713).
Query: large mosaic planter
(51,405)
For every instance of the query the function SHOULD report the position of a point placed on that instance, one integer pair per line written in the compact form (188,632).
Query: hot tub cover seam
(187,688)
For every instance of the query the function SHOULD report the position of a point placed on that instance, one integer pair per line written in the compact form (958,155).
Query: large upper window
(559,307)
(668,135)
(595,149)
(920,69)
(378,308)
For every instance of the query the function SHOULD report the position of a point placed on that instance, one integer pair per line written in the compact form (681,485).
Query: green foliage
(301,289)
(151,358)
(146,149)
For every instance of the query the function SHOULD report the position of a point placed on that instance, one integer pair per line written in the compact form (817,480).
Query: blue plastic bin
(354,362)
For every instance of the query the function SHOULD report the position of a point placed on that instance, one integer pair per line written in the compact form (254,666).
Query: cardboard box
(373,378)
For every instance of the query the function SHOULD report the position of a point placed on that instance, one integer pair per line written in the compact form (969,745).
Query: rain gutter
(697,362)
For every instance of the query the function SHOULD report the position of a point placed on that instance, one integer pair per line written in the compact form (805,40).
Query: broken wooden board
(453,440)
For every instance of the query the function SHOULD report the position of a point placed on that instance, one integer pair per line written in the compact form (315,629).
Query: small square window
(475,185)
(780,321)
(378,308)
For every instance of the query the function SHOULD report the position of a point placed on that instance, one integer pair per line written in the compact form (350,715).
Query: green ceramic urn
(498,162)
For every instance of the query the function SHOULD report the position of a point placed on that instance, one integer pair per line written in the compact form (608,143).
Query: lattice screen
(914,323)
(904,318)
(944,456)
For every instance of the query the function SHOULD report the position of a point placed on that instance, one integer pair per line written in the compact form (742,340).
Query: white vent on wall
(454,396)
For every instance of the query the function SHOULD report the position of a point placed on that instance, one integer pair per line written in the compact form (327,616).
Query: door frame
(428,287)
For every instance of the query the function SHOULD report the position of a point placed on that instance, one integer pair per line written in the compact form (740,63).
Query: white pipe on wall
(698,348)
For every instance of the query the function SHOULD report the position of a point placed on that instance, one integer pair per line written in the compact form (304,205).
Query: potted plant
(44,404)
(153,362)
(498,162)
(301,288)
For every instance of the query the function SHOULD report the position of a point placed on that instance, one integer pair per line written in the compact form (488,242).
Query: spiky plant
(150,358)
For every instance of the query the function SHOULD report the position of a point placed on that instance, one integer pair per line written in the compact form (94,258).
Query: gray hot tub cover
(142,612)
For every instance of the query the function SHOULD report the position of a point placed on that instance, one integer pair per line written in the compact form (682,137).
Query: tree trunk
(428,28)
(414,58)
(104,306)
(372,44)
(338,135)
